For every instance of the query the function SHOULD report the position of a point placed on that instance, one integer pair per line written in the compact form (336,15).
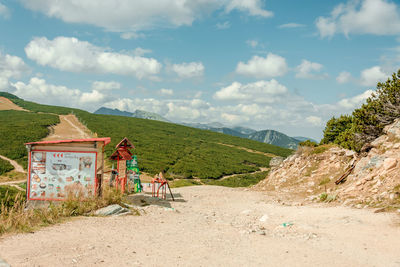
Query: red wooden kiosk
(121,155)
(61,166)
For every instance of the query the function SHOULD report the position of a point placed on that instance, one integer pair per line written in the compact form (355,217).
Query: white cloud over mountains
(39,90)
(378,17)
(11,67)
(105,86)
(136,15)
(71,54)
(259,67)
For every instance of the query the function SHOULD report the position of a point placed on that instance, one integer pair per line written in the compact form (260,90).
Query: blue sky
(283,65)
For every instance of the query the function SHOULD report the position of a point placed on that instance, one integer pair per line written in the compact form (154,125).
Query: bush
(5,166)
(366,123)
(308,143)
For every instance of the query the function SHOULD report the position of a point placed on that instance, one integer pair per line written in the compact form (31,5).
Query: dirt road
(7,104)
(68,128)
(17,167)
(215,226)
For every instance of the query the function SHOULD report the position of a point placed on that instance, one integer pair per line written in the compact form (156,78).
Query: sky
(274,64)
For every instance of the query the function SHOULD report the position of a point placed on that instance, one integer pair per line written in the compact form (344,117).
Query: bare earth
(6,104)
(68,128)
(215,226)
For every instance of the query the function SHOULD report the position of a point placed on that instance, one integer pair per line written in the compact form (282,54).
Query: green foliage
(183,182)
(9,96)
(367,122)
(243,180)
(5,166)
(178,150)
(19,127)
(181,151)
(308,143)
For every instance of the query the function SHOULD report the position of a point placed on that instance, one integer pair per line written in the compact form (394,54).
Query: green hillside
(178,150)
(19,127)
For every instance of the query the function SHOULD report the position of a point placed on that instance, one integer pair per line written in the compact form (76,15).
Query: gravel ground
(214,226)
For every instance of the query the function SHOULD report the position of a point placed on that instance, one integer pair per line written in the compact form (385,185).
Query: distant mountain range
(137,114)
(266,136)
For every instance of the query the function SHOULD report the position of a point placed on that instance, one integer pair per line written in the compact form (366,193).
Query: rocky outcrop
(311,173)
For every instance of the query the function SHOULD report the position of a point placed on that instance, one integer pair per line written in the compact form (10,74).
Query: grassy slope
(180,151)
(19,127)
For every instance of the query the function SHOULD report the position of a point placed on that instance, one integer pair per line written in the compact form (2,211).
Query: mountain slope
(275,138)
(116,112)
(180,151)
(137,114)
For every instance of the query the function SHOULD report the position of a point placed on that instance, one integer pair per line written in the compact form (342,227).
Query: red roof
(125,143)
(106,141)
(121,154)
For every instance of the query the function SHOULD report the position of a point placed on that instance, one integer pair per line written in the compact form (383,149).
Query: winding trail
(68,128)
(17,167)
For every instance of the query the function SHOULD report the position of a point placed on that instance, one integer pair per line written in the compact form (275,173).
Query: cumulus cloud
(379,17)
(291,25)
(166,92)
(135,15)
(71,54)
(105,86)
(310,70)
(4,11)
(259,67)
(344,77)
(188,70)
(355,101)
(259,92)
(373,75)
(11,67)
(39,90)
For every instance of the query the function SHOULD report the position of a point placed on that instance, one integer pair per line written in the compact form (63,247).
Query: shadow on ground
(145,199)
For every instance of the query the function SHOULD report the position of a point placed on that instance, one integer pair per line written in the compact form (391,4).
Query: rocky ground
(310,174)
(214,226)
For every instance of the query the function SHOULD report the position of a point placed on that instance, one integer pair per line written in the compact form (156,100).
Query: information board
(52,175)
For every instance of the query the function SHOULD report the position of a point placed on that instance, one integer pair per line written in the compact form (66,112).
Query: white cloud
(223,26)
(310,70)
(4,11)
(291,25)
(188,70)
(71,54)
(355,101)
(379,17)
(105,86)
(141,51)
(39,90)
(373,75)
(253,7)
(270,66)
(314,120)
(258,92)
(131,35)
(167,92)
(132,16)
(252,43)
(344,77)
(11,67)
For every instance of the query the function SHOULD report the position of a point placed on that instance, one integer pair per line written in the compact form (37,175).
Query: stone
(264,218)
(261,232)
(389,163)
(276,161)
(396,146)
(350,153)
(111,210)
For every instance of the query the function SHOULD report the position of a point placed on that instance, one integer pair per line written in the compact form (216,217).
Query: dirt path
(17,167)
(215,226)
(250,150)
(68,128)
(7,104)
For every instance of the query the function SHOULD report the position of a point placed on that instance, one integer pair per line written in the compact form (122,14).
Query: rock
(359,206)
(389,163)
(276,161)
(261,232)
(350,153)
(3,263)
(264,218)
(396,146)
(111,210)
